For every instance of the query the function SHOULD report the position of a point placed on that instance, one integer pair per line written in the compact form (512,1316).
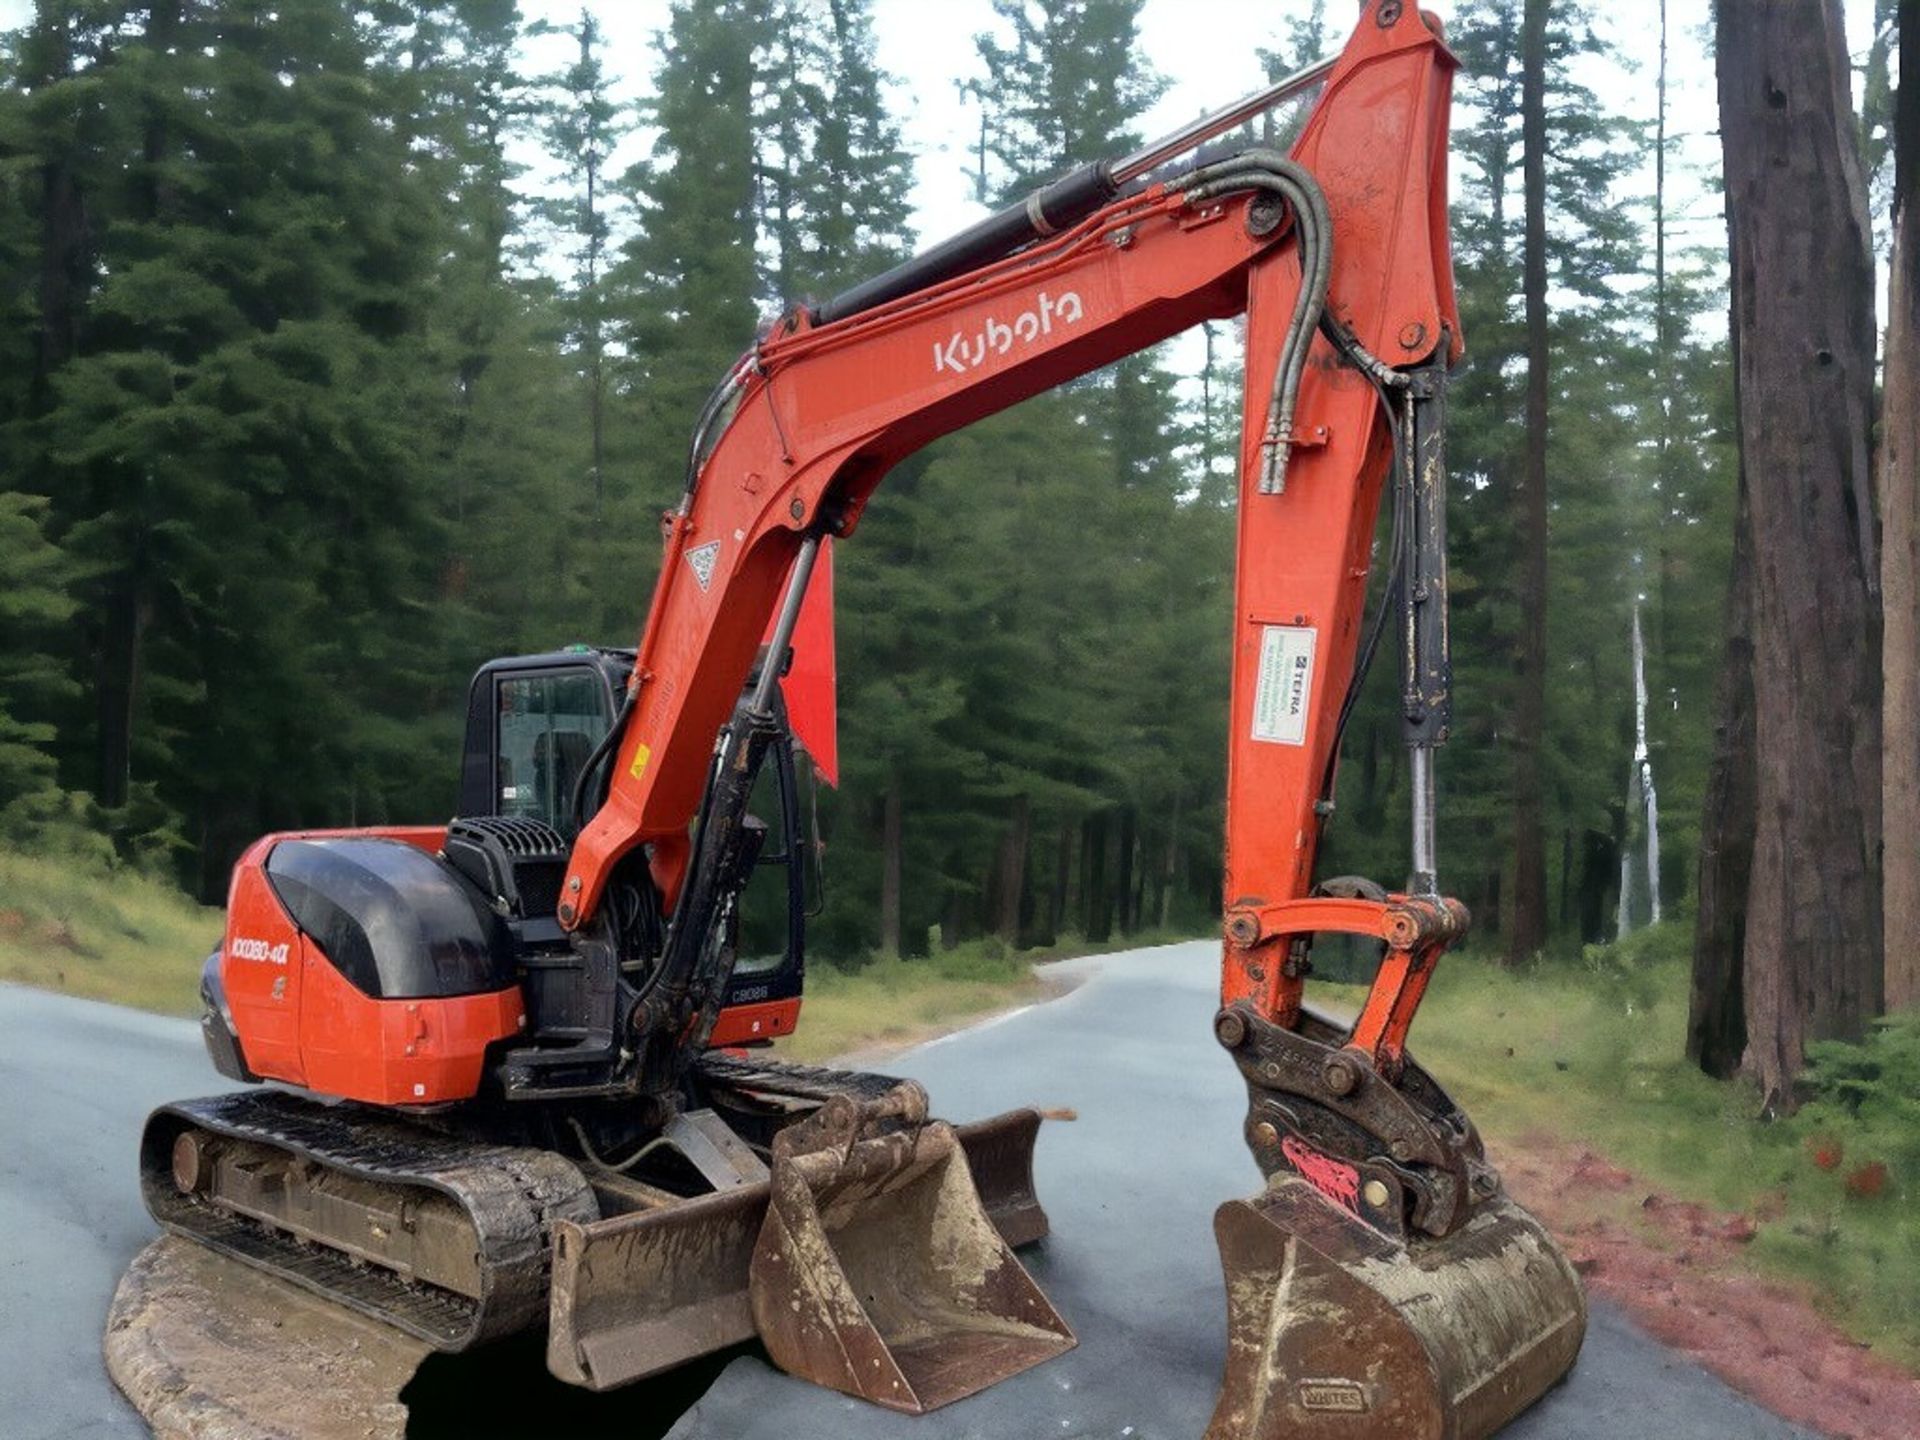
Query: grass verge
(113,935)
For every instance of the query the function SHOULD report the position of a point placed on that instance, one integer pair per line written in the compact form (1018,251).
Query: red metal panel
(810,685)
(766,1020)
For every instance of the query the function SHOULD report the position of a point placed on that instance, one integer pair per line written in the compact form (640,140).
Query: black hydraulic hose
(716,402)
(1278,174)
(1385,381)
(596,758)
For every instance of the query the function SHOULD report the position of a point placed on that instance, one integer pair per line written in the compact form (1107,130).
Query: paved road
(1131,1187)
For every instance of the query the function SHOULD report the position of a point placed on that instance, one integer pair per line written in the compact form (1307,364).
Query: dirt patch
(208,1349)
(1678,1269)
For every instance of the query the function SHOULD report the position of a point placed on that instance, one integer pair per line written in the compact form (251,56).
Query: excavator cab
(534,723)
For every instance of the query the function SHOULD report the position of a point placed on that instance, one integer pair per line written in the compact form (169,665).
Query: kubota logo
(997,337)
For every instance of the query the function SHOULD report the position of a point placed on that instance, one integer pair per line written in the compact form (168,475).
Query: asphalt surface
(1131,1187)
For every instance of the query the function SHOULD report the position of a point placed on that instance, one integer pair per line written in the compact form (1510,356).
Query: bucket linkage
(1382,1287)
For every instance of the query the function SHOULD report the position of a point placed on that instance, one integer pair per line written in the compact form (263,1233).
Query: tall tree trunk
(128,609)
(65,241)
(1010,886)
(1716,1017)
(890,869)
(1900,541)
(1803,312)
(1527,912)
(1094,898)
(1063,873)
(1170,868)
(1123,881)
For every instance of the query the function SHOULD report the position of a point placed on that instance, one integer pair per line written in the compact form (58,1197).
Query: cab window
(546,727)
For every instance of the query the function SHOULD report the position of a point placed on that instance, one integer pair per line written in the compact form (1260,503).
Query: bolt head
(1229,1028)
(1376,1194)
(1265,1135)
(1401,1150)
(797,508)
(1342,1076)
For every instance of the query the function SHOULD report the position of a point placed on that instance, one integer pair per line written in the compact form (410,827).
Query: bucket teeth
(1335,1331)
(879,1273)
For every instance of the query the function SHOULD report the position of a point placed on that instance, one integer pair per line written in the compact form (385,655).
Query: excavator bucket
(1336,1331)
(879,1273)
(867,1261)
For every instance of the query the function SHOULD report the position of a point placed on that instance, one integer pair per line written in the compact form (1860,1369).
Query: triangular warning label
(701,558)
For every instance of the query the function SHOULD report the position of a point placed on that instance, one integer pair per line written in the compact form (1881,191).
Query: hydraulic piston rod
(1426,661)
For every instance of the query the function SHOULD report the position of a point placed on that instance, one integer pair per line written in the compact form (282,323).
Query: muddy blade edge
(1337,1332)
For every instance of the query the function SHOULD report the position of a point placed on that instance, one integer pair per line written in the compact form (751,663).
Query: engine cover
(361,965)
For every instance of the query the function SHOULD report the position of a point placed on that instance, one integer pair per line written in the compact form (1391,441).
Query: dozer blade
(638,1294)
(1337,1332)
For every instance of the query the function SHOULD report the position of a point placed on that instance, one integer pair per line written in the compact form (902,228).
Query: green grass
(896,1002)
(108,935)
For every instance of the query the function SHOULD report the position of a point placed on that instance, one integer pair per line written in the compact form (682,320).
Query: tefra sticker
(1284,687)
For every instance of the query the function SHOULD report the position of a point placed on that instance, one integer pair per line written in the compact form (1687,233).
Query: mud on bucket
(878,1272)
(1336,1331)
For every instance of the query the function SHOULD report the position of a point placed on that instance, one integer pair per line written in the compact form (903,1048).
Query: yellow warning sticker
(641,755)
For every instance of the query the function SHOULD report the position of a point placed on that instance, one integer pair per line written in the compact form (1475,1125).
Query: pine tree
(1587,239)
(580,125)
(226,440)
(1812,965)
(682,290)
(34,603)
(1062,85)
(832,169)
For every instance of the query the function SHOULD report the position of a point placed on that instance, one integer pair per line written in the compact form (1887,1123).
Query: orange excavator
(516,1058)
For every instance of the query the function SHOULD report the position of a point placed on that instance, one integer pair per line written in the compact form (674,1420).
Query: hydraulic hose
(1277,174)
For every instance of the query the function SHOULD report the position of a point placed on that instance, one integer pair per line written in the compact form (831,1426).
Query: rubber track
(511,1194)
(806,1082)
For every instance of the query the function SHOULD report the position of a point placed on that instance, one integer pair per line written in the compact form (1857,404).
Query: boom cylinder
(1426,660)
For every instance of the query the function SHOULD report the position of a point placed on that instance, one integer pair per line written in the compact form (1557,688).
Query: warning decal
(1284,687)
(701,558)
